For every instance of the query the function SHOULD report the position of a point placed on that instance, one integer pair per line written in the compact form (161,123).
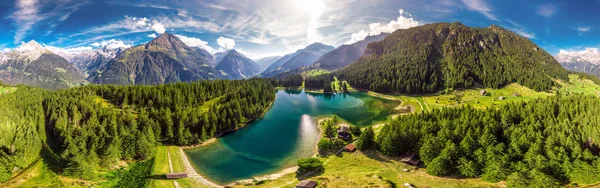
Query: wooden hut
(344,132)
(177,175)
(501,98)
(307,184)
(411,159)
(350,147)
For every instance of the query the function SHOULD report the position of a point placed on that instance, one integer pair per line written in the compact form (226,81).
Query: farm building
(307,184)
(411,159)
(344,132)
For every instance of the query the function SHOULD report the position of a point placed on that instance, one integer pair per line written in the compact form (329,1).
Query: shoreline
(189,169)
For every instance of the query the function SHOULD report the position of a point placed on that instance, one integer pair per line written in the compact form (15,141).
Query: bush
(310,165)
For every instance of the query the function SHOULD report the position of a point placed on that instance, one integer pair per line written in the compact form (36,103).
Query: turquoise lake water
(287,132)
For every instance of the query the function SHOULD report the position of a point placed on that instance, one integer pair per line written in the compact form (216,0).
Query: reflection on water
(286,133)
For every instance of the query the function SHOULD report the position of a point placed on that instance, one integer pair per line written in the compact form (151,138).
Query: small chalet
(483,92)
(307,184)
(176,175)
(411,159)
(501,98)
(344,132)
(350,148)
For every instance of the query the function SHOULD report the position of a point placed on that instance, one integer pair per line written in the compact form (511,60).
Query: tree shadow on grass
(372,154)
(159,177)
(306,175)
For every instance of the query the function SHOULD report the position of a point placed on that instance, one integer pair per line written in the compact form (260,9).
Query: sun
(312,7)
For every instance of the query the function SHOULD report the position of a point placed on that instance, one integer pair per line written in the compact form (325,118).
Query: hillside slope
(437,56)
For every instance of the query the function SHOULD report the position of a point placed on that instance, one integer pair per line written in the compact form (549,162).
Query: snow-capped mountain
(32,64)
(90,60)
(586,61)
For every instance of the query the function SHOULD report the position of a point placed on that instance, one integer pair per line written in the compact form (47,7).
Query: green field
(5,90)
(316,72)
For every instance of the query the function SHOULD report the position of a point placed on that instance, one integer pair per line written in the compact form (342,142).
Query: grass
(316,72)
(161,168)
(370,169)
(7,89)
(578,85)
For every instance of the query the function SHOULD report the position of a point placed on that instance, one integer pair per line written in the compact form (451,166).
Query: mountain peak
(32,45)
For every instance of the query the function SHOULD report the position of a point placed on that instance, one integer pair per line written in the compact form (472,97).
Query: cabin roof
(350,147)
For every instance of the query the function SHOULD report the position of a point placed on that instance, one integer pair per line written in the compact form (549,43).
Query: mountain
(32,64)
(165,59)
(90,60)
(587,61)
(264,63)
(234,65)
(301,58)
(434,57)
(346,54)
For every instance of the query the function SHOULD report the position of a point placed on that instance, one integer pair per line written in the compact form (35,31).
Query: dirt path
(171,168)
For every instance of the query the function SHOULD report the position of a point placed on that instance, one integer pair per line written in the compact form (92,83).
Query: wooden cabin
(411,159)
(344,132)
(307,184)
(177,175)
(350,147)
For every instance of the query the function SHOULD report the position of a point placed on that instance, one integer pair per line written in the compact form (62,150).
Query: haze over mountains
(234,65)
(586,61)
(301,58)
(345,54)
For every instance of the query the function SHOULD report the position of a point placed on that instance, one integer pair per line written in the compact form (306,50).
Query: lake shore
(189,169)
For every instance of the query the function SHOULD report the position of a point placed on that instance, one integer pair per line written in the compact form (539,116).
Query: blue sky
(260,28)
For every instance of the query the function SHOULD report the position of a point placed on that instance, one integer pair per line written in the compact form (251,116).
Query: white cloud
(583,29)
(404,21)
(140,22)
(67,53)
(158,28)
(482,7)
(519,29)
(111,44)
(196,42)
(25,17)
(226,43)
(546,10)
(153,35)
(31,13)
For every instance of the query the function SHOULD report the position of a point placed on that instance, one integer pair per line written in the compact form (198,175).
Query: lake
(287,132)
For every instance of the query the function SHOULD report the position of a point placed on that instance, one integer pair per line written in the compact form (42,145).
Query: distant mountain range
(264,63)
(346,54)
(434,57)
(234,65)
(34,65)
(165,59)
(301,58)
(91,60)
(587,61)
